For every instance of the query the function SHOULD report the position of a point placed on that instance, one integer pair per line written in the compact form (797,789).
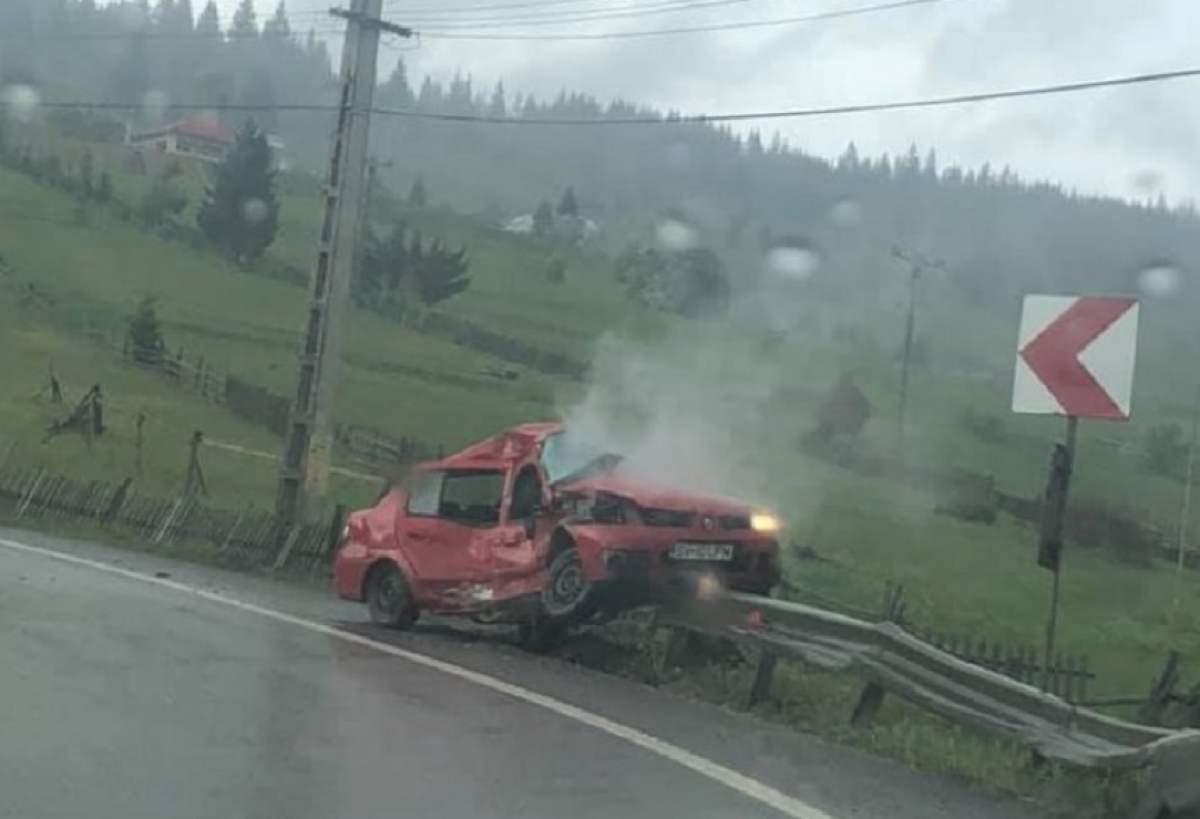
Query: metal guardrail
(890,660)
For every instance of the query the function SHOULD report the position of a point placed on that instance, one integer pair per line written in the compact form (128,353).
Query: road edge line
(747,786)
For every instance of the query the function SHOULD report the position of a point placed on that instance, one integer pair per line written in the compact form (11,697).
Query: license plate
(702,551)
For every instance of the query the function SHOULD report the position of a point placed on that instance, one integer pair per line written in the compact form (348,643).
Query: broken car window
(471,496)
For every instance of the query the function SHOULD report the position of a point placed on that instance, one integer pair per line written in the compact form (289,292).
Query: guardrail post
(672,652)
(764,675)
(1161,692)
(868,705)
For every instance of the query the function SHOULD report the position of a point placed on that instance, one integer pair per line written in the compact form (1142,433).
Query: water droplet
(254,211)
(154,105)
(1147,181)
(673,234)
(793,262)
(847,213)
(679,155)
(1160,279)
(21,102)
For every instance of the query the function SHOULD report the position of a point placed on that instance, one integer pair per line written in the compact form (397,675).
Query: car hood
(645,493)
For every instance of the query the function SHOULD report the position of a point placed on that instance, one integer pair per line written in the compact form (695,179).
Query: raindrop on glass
(1159,280)
(846,213)
(673,234)
(792,262)
(679,156)
(154,106)
(254,211)
(21,102)
(1147,182)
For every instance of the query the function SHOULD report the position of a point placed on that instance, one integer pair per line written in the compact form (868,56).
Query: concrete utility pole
(308,445)
(917,265)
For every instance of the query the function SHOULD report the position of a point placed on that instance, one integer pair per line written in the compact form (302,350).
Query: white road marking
(752,788)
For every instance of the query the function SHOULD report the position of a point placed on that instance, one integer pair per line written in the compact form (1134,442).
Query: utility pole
(308,445)
(917,264)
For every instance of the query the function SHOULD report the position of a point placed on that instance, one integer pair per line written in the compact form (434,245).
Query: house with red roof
(196,137)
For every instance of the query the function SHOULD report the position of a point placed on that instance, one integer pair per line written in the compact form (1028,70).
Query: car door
(517,565)
(445,536)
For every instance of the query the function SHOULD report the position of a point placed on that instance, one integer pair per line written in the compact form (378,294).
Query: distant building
(197,138)
(201,138)
(572,229)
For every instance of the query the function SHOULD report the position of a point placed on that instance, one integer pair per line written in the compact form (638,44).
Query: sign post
(1075,357)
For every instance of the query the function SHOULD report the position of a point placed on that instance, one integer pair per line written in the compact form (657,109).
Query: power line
(446,34)
(795,113)
(450,31)
(576,16)
(400,8)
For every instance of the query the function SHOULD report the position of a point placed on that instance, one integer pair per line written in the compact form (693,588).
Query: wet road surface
(124,697)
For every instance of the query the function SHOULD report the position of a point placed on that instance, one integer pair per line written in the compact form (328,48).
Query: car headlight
(764,522)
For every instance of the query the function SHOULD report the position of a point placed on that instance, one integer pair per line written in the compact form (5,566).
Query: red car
(534,527)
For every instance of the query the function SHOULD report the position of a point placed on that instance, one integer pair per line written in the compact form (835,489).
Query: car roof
(500,451)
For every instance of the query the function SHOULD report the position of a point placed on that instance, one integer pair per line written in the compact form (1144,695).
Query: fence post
(225,543)
(141,421)
(118,501)
(289,543)
(336,524)
(195,475)
(168,519)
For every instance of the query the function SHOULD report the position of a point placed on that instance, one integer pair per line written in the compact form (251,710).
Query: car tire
(389,599)
(568,594)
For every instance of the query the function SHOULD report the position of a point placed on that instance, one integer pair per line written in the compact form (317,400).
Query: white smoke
(698,408)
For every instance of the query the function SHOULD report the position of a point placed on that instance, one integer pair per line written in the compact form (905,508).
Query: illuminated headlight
(764,522)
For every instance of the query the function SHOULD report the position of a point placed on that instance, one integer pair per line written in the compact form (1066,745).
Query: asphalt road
(135,686)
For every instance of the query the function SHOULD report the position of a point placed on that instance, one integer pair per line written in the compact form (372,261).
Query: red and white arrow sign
(1075,356)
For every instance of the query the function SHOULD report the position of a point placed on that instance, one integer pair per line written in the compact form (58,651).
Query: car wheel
(389,599)
(567,594)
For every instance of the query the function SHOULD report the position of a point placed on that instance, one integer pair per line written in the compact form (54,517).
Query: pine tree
(931,164)
(543,219)
(164,13)
(278,27)
(245,22)
(185,19)
(568,206)
(240,213)
(498,107)
(396,91)
(145,334)
(209,23)
(849,160)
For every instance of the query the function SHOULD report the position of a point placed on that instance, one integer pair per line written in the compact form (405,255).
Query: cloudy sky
(1138,141)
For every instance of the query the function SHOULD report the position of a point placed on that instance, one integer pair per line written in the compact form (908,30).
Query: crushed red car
(536,526)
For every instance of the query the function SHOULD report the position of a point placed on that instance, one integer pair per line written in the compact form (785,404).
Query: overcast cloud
(1136,141)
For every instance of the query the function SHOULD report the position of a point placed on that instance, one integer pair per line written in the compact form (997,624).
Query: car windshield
(570,457)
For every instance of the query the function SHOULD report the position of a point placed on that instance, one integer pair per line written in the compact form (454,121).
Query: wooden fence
(264,408)
(248,537)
